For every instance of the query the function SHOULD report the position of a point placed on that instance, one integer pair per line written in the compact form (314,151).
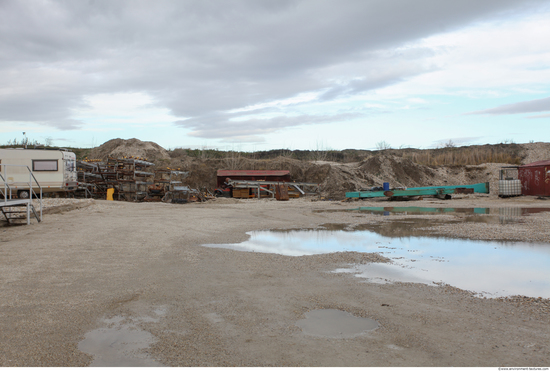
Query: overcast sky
(258,75)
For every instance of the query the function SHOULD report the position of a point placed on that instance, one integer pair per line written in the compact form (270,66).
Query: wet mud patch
(121,342)
(346,257)
(336,324)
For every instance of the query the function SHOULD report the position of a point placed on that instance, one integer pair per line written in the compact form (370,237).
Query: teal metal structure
(423,191)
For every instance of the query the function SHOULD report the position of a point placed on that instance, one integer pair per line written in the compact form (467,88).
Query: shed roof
(537,163)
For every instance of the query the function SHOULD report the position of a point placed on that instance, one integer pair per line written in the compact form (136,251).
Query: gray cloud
(382,71)
(201,58)
(539,116)
(537,105)
(220,126)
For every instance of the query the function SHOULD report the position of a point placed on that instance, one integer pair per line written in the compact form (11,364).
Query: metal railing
(7,188)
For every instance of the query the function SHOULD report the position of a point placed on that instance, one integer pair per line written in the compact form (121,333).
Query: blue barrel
(386,186)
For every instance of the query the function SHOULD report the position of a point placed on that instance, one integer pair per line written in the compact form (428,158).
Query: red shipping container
(535,178)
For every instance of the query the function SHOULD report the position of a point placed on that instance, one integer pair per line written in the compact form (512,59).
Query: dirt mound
(536,152)
(131,147)
(402,171)
(202,172)
(335,178)
(374,172)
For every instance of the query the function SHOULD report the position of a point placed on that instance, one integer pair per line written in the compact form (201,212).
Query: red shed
(535,178)
(267,175)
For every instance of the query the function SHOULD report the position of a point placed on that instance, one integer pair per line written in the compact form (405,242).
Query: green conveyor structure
(423,191)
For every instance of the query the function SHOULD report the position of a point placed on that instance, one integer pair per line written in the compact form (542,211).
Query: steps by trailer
(19,209)
(15,210)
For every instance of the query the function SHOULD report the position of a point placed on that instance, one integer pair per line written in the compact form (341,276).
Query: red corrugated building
(267,175)
(535,178)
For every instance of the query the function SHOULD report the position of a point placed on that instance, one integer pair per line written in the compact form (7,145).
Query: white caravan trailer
(55,170)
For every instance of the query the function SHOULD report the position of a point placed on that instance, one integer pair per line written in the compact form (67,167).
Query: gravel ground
(93,260)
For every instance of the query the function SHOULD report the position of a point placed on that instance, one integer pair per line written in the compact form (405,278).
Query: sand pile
(335,178)
(536,152)
(202,172)
(118,148)
(400,172)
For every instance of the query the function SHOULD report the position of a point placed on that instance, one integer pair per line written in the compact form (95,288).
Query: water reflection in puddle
(489,268)
(119,344)
(413,210)
(501,215)
(335,323)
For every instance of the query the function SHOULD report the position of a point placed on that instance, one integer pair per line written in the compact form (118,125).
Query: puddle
(413,210)
(157,314)
(501,215)
(121,343)
(489,268)
(335,323)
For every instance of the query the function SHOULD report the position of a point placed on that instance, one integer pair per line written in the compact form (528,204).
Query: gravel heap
(536,152)
(118,148)
(536,305)
(335,178)
(58,205)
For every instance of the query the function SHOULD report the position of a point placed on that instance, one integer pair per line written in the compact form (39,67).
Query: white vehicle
(55,170)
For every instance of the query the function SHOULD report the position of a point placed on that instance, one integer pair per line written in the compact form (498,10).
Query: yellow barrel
(110,192)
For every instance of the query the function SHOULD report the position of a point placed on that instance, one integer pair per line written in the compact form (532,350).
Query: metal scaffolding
(165,184)
(130,178)
(134,180)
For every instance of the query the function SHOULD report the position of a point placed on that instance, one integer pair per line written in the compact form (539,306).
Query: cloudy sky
(267,74)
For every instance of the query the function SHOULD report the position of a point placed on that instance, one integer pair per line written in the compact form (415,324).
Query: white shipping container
(509,187)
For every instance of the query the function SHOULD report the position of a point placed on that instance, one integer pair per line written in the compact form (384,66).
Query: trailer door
(69,170)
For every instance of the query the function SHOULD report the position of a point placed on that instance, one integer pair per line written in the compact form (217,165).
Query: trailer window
(44,165)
